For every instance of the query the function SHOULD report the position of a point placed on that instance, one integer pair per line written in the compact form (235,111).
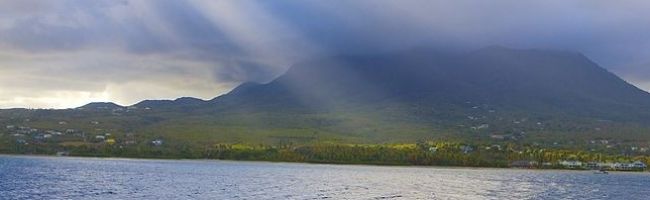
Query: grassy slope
(333,127)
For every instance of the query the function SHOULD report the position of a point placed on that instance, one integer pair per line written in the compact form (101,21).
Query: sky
(66,53)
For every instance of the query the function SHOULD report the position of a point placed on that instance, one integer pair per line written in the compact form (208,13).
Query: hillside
(540,96)
(528,81)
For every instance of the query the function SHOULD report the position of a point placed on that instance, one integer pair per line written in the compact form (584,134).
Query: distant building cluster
(574,164)
(26,135)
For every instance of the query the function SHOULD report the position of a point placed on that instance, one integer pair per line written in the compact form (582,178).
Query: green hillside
(533,99)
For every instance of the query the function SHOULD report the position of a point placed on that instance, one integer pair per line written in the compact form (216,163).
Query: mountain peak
(183,101)
(101,106)
(516,80)
(186,100)
(531,80)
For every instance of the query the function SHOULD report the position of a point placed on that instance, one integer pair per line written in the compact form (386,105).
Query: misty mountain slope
(100,106)
(180,102)
(529,81)
(391,97)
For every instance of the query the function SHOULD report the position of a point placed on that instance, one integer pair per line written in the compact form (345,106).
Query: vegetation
(430,153)
(353,138)
(488,108)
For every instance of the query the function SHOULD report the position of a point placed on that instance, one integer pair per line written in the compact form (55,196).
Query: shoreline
(307,163)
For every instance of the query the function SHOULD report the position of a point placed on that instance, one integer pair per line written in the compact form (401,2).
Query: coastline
(306,163)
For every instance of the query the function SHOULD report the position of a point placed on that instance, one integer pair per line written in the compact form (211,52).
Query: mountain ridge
(530,80)
(554,80)
(533,96)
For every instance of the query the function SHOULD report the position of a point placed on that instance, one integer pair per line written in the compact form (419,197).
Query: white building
(157,142)
(639,165)
(571,164)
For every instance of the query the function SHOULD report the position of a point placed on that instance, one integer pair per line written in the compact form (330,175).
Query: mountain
(100,106)
(392,97)
(523,81)
(180,102)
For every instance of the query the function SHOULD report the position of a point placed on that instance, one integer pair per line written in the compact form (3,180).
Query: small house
(573,164)
(130,142)
(21,141)
(466,149)
(55,133)
(498,137)
(623,166)
(157,142)
(110,141)
(639,165)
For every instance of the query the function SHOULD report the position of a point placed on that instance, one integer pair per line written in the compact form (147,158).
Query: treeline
(422,153)
(356,154)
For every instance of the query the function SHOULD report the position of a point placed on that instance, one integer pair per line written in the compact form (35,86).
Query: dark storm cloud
(127,50)
(612,33)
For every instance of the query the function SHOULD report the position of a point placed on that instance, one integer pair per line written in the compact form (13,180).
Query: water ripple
(89,178)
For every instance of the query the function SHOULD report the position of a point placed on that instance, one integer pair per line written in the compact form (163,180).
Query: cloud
(637,74)
(74,52)
(611,33)
(65,53)
(105,76)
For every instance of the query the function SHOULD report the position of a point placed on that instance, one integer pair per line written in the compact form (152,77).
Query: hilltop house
(157,142)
